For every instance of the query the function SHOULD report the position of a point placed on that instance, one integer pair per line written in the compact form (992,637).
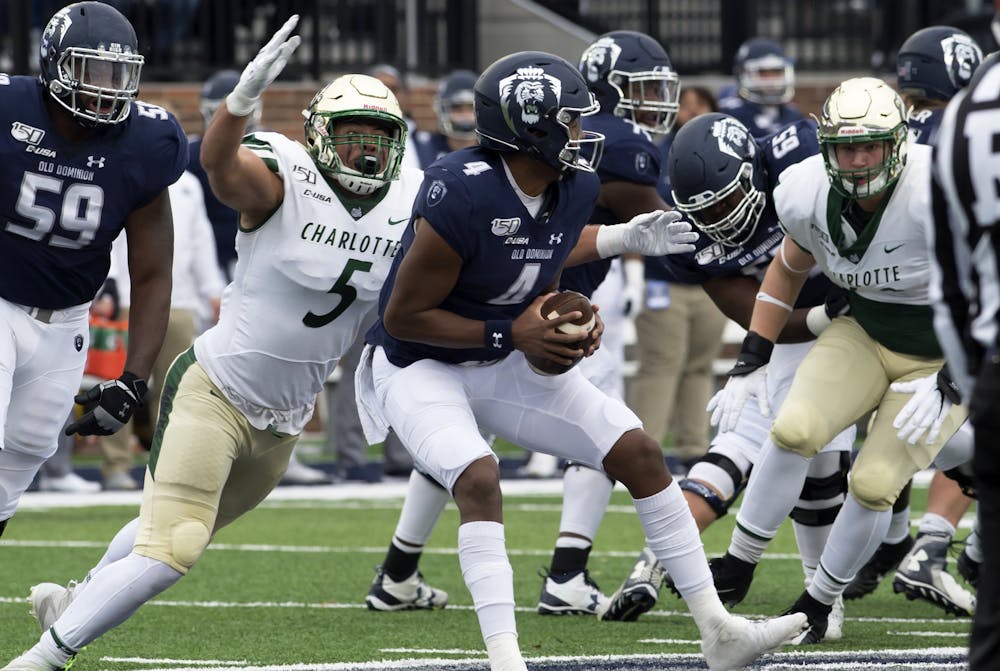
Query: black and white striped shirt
(965,192)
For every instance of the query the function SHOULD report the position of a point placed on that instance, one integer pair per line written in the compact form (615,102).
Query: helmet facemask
(728,216)
(859,183)
(570,156)
(768,80)
(649,99)
(95,85)
(457,116)
(375,165)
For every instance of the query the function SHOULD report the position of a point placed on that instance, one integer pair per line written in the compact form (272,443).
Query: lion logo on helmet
(599,59)
(961,58)
(533,91)
(55,30)
(733,138)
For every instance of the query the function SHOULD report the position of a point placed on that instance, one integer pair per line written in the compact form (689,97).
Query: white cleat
(31,661)
(49,601)
(835,621)
(734,642)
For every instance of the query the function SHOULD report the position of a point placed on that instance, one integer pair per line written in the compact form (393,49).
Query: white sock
(586,493)
(119,547)
(854,538)
(482,555)
(50,651)
(765,505)
(899,526)
(573,542)
(932,523)
(672,535)
(705,608)
(811,541)
(422,507)
(504,654)
(973,547)
(111,597)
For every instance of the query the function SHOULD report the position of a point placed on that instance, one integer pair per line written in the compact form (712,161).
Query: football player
(460,310)
(859,211)
(933,64)
(765,86)
(83,160)
(455,115)
(319,226)
(722,179)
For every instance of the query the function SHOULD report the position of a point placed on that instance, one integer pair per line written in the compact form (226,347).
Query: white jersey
(304,282)
(888,273)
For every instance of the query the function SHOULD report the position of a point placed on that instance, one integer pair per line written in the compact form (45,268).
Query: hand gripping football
(560,304)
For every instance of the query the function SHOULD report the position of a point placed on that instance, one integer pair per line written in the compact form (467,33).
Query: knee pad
(824,490)
(188,540)
(800,428)
(715,472)
(960,474)
(870,492)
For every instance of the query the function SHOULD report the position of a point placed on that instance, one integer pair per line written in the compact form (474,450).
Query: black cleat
(968,568)
(883,562)
(732,577)
(818,615)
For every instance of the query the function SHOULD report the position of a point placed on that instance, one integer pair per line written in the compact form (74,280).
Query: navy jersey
(654,268)
(924,125)
(508,257)
(224,219)
(64,203)
(712,259)
(430,147)
(629,156)
(761,120)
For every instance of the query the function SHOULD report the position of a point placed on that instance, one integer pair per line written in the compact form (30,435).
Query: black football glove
(109,405)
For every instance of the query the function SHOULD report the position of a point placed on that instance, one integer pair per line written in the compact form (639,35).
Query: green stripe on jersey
(170,385)
(906,329)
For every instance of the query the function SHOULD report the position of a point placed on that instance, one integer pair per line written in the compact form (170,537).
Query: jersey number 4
(80,212)
(347,293)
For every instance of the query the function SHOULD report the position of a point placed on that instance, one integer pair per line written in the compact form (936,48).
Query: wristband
(754,354)
(498,335)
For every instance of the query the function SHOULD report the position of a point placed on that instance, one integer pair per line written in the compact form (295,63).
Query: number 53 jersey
(63,203)
(304,282)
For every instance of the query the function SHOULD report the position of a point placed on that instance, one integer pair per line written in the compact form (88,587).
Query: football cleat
(968,568)
(817,618)
(638,593)
(49,601)
(410,594)
(732,577)
(923,574)
(34,660)
(883,562)
(574,594)
(835,621)
(733,642)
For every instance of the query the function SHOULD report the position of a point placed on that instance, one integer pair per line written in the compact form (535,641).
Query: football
(560,304)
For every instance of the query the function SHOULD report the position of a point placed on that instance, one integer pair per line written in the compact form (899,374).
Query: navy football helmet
(532,102)
(214,91)
(455,91)
(631,74)
(936,62)
(718,178)
(764,74)
(90,62)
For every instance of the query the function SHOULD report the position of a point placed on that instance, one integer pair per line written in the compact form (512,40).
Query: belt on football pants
(43,315)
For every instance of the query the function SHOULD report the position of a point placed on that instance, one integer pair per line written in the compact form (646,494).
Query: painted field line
(190,662)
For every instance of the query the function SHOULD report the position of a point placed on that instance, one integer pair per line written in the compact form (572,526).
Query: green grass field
(285,585)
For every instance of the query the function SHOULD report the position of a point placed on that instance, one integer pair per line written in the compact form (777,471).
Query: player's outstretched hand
(263,69)
(655,233)
(113,403)
(536,335)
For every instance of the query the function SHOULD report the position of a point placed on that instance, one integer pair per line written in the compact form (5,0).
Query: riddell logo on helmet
(850,131)
(377,108)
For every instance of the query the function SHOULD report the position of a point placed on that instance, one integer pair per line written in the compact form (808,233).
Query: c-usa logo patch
(78,342)
(436,192)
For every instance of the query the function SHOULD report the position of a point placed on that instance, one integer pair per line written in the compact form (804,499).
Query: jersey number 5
(347,293)
(80,212)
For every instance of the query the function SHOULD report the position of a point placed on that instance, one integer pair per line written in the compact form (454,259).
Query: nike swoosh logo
(889,250)
(393,222)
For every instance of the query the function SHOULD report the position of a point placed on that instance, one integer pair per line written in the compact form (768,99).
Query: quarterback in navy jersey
(82,161)
(461,310)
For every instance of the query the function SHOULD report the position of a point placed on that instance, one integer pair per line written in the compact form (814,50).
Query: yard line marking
(433,651)
(942,634)
(202,662)
(669,641)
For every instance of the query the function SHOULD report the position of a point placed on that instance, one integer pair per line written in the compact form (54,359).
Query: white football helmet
(864,109)
(362,98)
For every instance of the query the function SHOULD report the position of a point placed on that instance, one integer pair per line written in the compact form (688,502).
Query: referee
(966,203)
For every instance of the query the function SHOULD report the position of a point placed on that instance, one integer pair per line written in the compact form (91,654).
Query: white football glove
(728,402)
(263,69)
(925,411)
(634,289)
(655,233)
